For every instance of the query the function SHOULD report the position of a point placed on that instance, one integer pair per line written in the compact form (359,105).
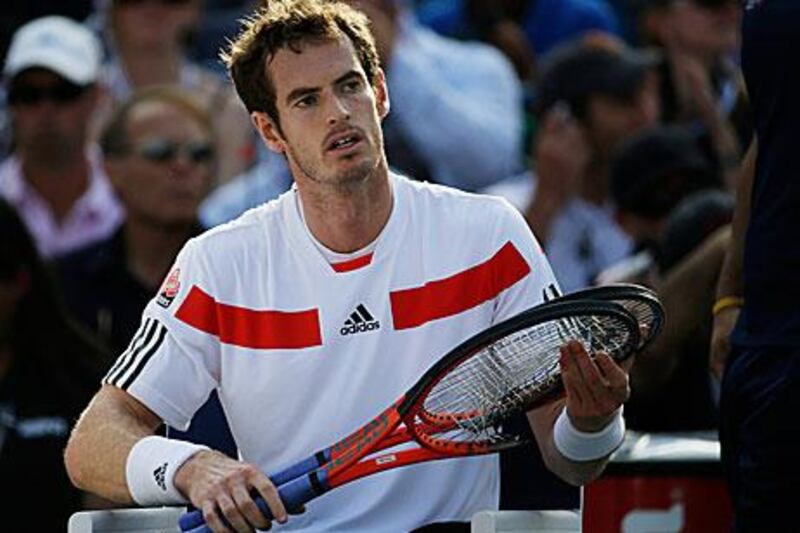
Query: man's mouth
(344,141)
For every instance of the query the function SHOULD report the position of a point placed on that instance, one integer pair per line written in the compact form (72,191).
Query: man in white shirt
(54,177)
(260,309)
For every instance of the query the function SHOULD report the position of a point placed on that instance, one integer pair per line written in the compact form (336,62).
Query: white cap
(55,43)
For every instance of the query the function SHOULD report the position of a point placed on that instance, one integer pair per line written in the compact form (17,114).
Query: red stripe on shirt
(250,328)
(352,264)
(459,292)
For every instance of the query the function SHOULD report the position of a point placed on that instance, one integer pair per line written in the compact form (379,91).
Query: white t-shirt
(303,354)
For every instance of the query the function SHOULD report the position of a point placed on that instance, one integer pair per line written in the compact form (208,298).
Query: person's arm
(98,457)
(101,441)
(577,434)
(687,294)
(730,284)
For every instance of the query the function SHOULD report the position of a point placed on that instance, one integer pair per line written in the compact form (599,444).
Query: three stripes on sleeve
(130,364)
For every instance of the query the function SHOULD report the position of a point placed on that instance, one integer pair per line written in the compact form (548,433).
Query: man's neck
(151,249)
(347,220)
(60,185)
(151,66)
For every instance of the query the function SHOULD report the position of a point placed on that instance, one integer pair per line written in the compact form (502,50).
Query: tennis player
(311,313)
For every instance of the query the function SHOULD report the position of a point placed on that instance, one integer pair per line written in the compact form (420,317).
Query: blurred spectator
(466,94)
(54,177)
(160,158)
(651,174)
(692,248)
(148,45)
(592,96)
(48,370)
(19,12)
(522,29)
(702,86)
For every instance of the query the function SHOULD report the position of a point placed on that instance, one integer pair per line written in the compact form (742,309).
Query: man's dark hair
(287,24)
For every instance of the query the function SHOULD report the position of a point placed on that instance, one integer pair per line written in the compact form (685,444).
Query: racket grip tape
(293,495)
(301,468)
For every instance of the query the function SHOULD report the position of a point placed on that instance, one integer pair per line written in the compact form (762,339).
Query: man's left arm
(577,434)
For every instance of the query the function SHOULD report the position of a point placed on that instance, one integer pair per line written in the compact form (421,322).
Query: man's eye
(352,86)
(306,101)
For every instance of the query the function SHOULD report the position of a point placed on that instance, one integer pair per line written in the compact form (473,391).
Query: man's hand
(596,388)
(214,482)
(724,322)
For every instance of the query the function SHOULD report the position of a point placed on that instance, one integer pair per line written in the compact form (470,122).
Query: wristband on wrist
(726,302)
(581,446)
(151,466)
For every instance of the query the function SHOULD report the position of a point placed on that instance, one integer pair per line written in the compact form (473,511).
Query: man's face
(50,115)
(167,169)
(610,121)
(329,114)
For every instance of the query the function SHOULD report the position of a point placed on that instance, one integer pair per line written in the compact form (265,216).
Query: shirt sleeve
(169,365)
(539,283)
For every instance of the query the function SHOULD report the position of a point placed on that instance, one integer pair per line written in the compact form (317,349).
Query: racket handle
(301,468)
(293,495)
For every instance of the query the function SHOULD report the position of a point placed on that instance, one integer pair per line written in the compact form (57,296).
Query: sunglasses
(160,150)
(60,93)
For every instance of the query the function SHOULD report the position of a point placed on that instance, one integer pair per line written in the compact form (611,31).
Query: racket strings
(509,374)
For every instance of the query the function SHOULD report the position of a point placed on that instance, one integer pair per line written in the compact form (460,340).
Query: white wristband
(151,466)
(578,445)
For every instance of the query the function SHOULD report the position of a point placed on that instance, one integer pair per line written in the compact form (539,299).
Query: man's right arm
(102,439)
(98,450)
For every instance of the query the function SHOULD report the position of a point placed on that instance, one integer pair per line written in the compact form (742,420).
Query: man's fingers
(251,512)
(232,513)
(270,494)
(593,381)
(617,378)
(570,378)
(212,518)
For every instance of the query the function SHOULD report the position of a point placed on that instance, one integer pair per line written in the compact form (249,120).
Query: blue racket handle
(293,495)
(301,468)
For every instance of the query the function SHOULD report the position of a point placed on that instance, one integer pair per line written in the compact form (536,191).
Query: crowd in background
(615,126)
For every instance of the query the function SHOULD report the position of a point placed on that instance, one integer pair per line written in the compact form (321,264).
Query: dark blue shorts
(760,437)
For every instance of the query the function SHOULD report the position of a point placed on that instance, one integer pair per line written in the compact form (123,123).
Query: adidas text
(360,328)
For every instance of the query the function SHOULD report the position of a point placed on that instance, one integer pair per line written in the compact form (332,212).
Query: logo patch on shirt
(360,321)
(171,287)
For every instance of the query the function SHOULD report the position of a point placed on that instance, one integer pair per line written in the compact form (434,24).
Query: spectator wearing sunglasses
(159,155)
(54,176)
(148,44)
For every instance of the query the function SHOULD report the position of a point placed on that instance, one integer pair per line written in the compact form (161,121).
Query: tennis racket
(457,408)
(640,301)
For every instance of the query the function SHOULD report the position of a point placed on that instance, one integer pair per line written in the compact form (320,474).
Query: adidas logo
(360,321)
(160,475)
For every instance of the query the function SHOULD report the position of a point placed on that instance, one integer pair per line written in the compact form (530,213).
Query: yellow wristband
(725,302)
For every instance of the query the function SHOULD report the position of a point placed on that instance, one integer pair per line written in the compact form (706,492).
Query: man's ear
(381,94)
(269,131)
